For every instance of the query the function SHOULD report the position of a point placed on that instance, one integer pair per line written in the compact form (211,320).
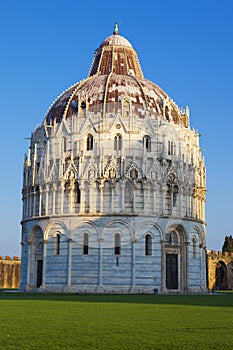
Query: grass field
(58,321)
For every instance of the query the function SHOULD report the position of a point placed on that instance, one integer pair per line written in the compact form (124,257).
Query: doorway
(172,271)
(221,276)
(39,276)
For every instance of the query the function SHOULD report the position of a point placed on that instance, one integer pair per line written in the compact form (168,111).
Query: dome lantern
(116,29)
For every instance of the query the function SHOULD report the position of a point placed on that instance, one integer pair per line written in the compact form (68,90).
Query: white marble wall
(132,190)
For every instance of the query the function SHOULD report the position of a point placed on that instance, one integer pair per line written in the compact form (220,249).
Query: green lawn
(56,321)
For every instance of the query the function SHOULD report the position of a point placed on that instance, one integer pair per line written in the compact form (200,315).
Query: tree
(228,244)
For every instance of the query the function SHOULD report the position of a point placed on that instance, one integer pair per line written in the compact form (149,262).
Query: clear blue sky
(186,47)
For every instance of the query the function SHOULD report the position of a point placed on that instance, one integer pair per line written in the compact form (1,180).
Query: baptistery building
(114,187)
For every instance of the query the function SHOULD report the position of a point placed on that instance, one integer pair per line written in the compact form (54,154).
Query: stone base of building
(117,290)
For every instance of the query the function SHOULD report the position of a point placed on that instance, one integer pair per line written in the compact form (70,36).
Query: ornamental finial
(115,28)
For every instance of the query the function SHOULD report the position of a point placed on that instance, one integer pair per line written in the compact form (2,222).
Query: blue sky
(186,47)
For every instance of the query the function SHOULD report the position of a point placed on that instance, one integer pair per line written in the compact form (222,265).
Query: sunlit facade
(114,187)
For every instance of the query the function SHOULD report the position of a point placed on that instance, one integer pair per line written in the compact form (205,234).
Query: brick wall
(224,263)
(9,272)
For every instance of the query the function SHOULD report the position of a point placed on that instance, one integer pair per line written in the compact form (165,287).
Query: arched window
(167,113)
(83,109)
(117,244)
(168,200)
(148,244)
(171,238)
(57,244)
(171,148)
(147,143)
(89,142)
(133,173)
(74,106)
(175,195)
(126,108)
(78,193)
(64,146)
(194,247)
(85,243)
(83,105)
(118,142)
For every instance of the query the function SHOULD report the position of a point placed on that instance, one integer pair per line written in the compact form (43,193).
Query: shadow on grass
(223,299)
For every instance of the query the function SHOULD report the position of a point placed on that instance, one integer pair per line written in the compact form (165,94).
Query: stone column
(69,263)
(47,200)
(112,198)
(62,188)
(54,198)
(163,266)
(190,204)
(71,204)
(100,262)
(187,211)
(180,197)
(123,195)
(164,191)
(185,267)
(29,264)
(91,196)
(134,197)
(101,187)
(122,166)
(29,205)
(25,206)
(34,202)
(133,263)
(145,195)
(154,200)
(200,260)
(40,200)
(82,202)
(44,264)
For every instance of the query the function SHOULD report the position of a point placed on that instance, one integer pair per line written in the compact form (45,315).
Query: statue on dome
(116,28)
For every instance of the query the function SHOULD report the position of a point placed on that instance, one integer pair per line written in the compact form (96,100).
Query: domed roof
(115,76)
(115,39)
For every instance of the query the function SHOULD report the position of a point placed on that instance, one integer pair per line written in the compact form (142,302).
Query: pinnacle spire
(116,29)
